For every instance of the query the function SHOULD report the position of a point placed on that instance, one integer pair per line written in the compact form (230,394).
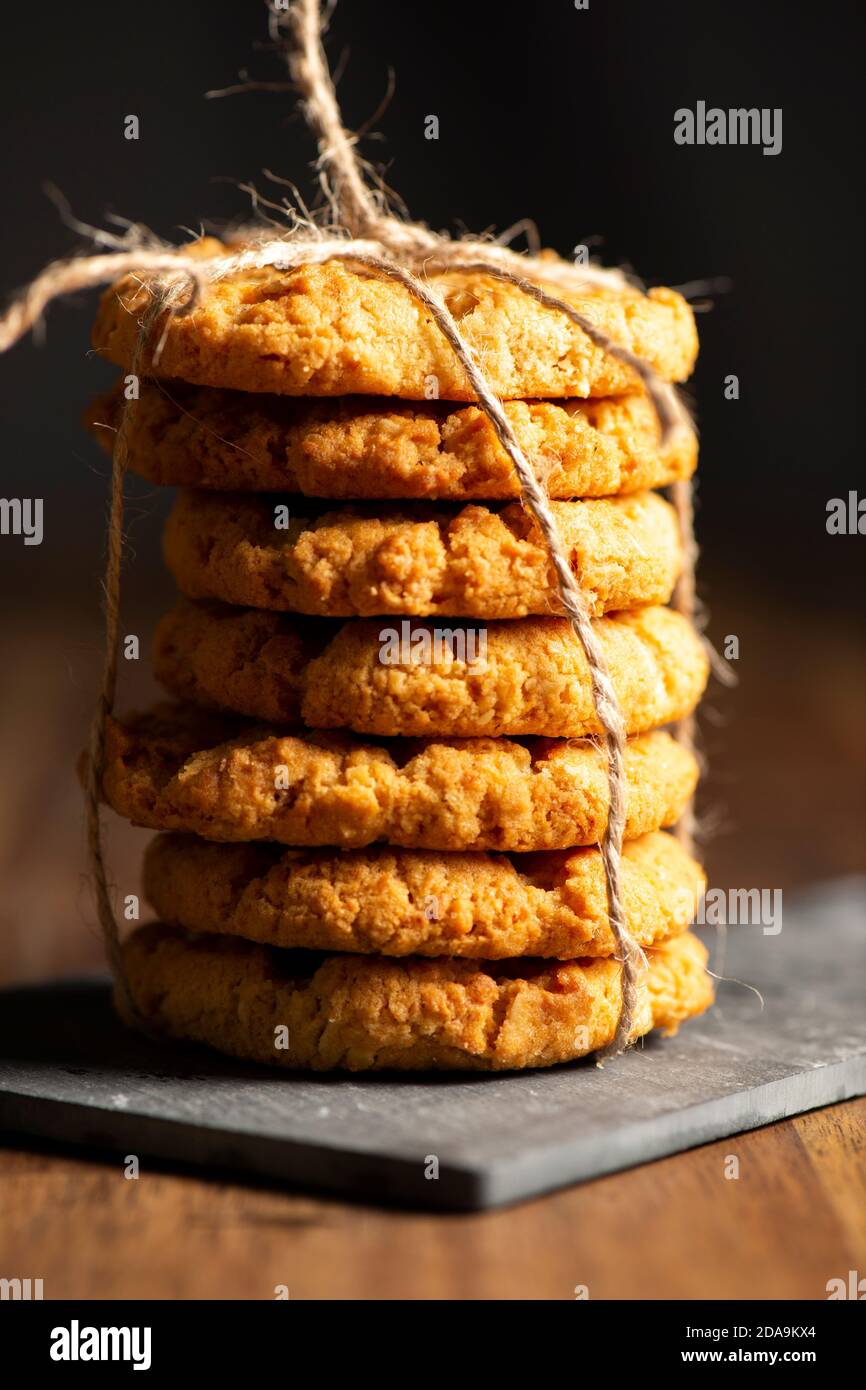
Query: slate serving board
(70,1072)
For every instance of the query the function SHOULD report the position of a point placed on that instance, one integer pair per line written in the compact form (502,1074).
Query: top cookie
(336,330)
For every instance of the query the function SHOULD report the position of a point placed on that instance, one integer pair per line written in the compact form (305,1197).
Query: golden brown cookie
(514,678)
(359,447)
(193,651)
(476,561)
(181,769)
(402,902)
(305,1011)
(336,330)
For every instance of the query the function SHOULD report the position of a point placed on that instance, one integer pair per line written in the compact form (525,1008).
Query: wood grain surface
(794,1218)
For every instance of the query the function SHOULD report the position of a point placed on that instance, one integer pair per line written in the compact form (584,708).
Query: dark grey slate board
(70,1072)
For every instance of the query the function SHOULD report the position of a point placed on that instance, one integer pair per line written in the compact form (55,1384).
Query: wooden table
(794,1218)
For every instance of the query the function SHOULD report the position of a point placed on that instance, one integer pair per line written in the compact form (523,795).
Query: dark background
(545,111)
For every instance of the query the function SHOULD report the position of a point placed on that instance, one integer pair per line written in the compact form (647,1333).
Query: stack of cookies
(381,789)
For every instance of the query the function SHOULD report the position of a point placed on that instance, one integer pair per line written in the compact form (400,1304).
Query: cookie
(302,1010)
(199,646)
(361,448)
(181,769)
(340,330)
(402,902)
(512,678)
(475,561)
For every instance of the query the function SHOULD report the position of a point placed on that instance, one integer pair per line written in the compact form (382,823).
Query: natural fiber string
(95,768)
(86,273)
(367,236)
(536,501)
(309,70)
(356,205)
(101,714)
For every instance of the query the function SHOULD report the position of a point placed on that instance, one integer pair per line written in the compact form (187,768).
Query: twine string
(537,503)
(308,68)
(104,708)
(86,273)
(364,233)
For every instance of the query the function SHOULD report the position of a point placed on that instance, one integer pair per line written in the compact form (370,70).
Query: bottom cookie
(306,1011)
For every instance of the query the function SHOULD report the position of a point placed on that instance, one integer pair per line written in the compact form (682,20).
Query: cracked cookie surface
(399,902)
(336,330)
(530,676)
(359,447)
(181,769)
(363,1013)
(475,561)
